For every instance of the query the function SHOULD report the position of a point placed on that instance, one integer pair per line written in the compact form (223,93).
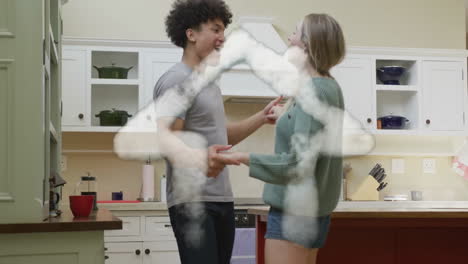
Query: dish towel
(460,161)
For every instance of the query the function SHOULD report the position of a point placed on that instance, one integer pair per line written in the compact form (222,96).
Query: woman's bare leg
(285,252)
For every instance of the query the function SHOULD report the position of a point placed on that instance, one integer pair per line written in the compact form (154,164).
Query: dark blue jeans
(204,231)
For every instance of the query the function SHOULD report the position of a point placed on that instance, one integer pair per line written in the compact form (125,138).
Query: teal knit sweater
(277,169)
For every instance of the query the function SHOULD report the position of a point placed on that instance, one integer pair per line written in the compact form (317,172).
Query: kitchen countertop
(349,206)
(386,212)
(240,203)
(103,219)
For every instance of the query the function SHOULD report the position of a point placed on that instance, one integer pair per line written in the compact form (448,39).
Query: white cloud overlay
(287,76)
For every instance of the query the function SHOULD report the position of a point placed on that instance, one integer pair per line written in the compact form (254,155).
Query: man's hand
(216,161)
(272,111)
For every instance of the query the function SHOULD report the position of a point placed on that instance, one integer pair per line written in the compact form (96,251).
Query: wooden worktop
(385,213)
(102,219)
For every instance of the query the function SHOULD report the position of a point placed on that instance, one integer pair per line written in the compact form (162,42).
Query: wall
(114,174)
(444,185)
(397,23)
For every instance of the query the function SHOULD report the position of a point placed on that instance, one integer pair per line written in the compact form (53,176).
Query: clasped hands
(218,155)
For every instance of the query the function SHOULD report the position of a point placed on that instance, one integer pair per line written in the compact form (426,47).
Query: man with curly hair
(197,26)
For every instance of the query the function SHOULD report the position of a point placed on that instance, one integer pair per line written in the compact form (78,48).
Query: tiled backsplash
(444,185)
(114,174)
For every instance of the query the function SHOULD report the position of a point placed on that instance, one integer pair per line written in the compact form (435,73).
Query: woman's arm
(280,168)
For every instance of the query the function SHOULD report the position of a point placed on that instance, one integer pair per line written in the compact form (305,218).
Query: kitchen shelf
(124,59)
(408,88)
(97,151)
(133,82)
(111,129)
(399,103)
(107,97)
(412,154)
(396,132)
(410,77)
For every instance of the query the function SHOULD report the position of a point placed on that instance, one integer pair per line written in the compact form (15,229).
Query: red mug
(81,205)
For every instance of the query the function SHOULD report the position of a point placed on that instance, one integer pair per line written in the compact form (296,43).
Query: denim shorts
(307,231)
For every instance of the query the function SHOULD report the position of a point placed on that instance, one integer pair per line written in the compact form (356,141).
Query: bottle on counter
(163,188)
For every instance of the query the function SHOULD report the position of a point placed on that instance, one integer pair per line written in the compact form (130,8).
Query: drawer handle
(106,257)
(147,251)
(167,225)
(80,116)
(137,252)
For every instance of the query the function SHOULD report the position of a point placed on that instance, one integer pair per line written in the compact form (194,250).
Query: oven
(244,243)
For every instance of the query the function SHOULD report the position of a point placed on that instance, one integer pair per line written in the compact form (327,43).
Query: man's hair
(187,14)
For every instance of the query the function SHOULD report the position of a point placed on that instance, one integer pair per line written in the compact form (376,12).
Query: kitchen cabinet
(366,97)
(156,64)
(123,253)
(84,247)
(30,92)
(393,236)
(444,96)
(142,252)
(161,252)
(145,238)
(353,76)
(75,93)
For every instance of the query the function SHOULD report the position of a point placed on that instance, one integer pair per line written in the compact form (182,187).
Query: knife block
(367,190)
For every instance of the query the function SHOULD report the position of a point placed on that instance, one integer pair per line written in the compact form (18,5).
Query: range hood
(263,30)
(240,85)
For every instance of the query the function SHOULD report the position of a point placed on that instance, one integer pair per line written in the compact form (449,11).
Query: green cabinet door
(25,110)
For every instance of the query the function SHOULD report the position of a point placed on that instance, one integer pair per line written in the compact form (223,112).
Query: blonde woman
(303,176)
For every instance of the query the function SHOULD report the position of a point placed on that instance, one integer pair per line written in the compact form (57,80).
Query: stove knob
(245,219)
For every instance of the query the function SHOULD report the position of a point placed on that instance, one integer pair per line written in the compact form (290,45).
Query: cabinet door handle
(369,120)
(106,257)
(105,249)
(137,252)
(80,116)
(428,121)
(147,251)
(167,225)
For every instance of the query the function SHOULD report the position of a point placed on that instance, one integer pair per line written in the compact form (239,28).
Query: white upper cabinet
(444,96)
(74,92)
(430,95)
(356,83)
(155,65)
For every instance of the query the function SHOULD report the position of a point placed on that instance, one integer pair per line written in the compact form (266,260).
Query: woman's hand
(273,110)
(239,156)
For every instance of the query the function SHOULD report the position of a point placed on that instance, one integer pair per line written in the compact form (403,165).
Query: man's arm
(238,131)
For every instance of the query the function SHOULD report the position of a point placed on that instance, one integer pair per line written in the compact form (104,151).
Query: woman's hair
(324,42)
(187,14)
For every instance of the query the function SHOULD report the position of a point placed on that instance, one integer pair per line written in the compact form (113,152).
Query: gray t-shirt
(206,117)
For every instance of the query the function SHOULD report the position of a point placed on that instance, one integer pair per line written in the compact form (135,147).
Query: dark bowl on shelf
(390,74)
(393,122)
